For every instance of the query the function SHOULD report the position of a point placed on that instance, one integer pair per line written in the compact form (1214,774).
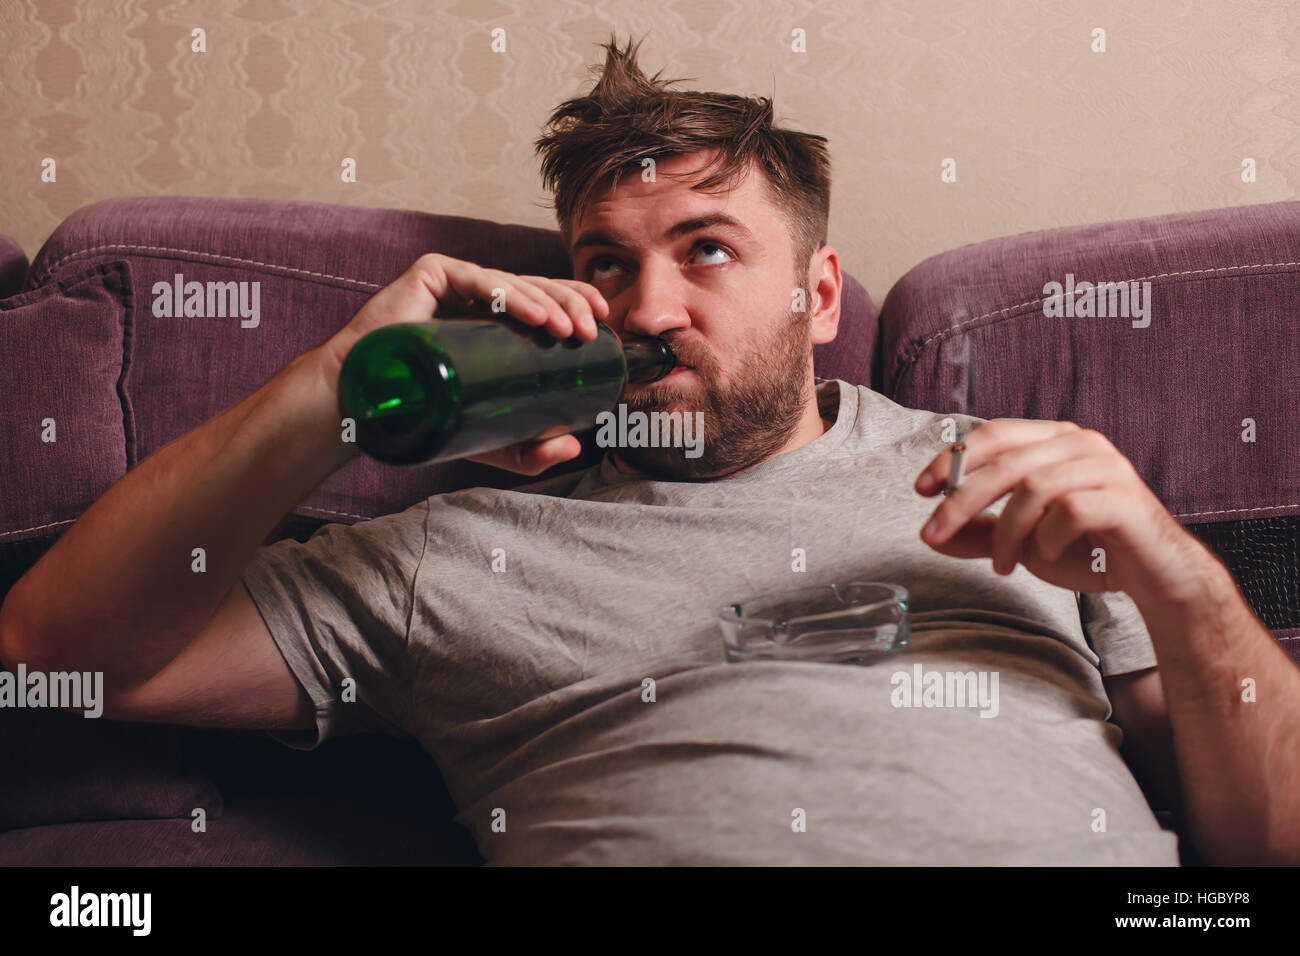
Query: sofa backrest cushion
(314,265)
(64,424)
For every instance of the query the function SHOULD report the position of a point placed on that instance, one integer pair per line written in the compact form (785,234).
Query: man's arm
(1233,697)
(117,593)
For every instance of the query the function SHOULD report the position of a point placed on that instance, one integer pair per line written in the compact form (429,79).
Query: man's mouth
(676,373)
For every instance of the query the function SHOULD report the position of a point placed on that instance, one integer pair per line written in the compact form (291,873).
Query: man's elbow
(9,633)
(17,645)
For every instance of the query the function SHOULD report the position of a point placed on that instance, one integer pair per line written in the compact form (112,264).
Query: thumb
(534,456)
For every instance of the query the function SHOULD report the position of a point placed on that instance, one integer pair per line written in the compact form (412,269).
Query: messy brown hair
(627,117)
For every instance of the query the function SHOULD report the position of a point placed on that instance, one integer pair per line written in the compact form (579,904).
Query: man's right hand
(563,306)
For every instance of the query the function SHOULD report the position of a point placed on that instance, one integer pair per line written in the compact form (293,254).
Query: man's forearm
(1234,707)
(118,592)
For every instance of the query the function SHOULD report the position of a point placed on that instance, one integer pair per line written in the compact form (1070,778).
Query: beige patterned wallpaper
(1044,128)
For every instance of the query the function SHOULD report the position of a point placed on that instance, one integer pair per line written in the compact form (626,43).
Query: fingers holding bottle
(559,305)
(564,307)
(580,302)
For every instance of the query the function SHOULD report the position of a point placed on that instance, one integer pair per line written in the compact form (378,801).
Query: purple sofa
(87,355)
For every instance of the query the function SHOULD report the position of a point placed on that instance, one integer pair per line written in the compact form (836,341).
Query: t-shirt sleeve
(1116,632)
(338,607)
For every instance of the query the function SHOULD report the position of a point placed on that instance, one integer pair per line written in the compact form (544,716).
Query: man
(555,648)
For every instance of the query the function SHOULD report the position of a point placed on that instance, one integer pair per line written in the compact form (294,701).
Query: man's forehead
(596,234)
(669,207)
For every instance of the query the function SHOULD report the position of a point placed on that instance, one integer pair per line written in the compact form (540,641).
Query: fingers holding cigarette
(978,447)
(931,480)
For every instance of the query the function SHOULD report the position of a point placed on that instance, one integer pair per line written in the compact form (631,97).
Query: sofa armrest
(1185,360)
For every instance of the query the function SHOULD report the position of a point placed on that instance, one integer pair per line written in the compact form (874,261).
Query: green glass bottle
(424,392)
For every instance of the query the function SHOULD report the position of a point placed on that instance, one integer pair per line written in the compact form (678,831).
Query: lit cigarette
(954,470)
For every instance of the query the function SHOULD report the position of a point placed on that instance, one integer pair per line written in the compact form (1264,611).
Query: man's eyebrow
(685,227)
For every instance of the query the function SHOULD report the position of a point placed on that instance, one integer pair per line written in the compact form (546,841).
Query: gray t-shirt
(512,634)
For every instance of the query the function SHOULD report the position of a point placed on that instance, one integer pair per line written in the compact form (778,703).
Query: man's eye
(715,246)
(594,267)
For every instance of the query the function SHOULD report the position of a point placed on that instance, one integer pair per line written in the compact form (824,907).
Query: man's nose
(655,302)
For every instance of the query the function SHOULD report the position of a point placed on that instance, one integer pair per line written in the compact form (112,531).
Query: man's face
(721,293)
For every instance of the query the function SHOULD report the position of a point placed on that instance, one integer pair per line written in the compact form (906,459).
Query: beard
(745,422)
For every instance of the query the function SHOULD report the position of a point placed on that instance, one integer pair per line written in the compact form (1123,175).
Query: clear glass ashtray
(855,623)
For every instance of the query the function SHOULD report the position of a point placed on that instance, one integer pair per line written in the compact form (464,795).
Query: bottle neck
(648,359)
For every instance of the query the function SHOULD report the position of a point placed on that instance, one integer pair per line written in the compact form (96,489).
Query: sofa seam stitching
(48,272)
(328,511)
(1198,514)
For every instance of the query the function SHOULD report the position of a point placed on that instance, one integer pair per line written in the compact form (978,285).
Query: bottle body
(425,392)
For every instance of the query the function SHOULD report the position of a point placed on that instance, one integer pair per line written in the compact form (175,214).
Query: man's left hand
(1072,492)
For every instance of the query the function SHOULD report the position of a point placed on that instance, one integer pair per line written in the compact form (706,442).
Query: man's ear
(825,283)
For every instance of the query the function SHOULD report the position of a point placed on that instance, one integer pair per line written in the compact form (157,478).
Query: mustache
(685,356)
